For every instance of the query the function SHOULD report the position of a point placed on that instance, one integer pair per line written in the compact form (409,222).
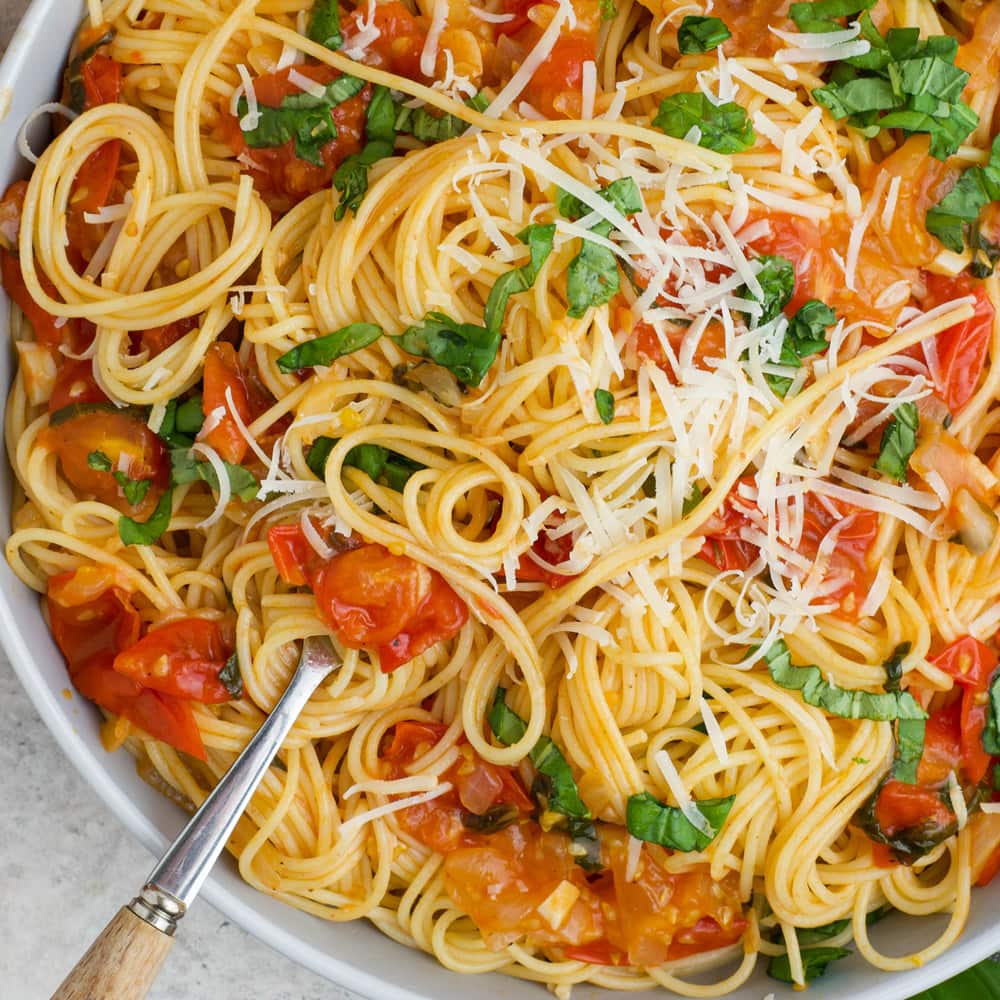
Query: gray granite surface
(66,865)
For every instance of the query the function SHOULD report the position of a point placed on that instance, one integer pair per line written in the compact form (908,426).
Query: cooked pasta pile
(612,383)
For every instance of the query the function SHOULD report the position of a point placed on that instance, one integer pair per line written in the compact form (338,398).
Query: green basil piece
(135,490)
(555,786)
(701,34)
(844,702)
(538,239)
(185,468)
(899,441)
(954,219)
(325,350)
(724,128)
(814,963)
(605,403)
(351,177)
(306,119)
(378,463)
(647,818)
(777,281)
(147,532)
(324,24)
(496,818)
(190,416)
(232,678)
(608,10)
(991,733)
(428,127)
(466,350)
(820,15)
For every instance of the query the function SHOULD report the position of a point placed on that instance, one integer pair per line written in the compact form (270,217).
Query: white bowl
(355,955)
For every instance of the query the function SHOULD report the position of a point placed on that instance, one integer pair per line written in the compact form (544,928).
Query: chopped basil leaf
(777,281)
(724,127)
(694,497)
(608,10)
(814,963)
(991,733)
(593,278)
(302,117)
(428,127)
(324,24)
(190,416)
(231,678)
(805,335)
(538,239)
(466,350)
(555,786)
(325,350)
(647,818)
(372,459)
(909,749)
(605,403)
(135,490)
(147,532)
(996,778)
(843,702)
(168,428)
(899,441)
(954,219)
(813,935)
(99,461)
(701,34)
(351,177)
(185,468)
(819,16)
(982,980)
(901,82)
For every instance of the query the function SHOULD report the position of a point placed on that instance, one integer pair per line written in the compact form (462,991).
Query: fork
(125,958)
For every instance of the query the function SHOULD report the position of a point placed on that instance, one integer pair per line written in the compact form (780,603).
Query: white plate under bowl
(354,955)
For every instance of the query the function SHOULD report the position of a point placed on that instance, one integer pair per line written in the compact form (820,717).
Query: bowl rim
(83,753)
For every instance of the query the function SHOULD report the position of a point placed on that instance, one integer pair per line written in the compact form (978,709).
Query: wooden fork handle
(121,964)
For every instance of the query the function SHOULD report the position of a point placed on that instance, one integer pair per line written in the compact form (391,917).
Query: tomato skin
(962,348)
(75,383)
(294,558)
(223,372)
(557,84)
(972,664)
(901,807)
(91,191)
(726,550)
(279,175)
(159,338)
(554,551)
(985,847)
(942,745)
(400,40)
(370,597)
(42,322)
(711,344)
(102,80)
(127,442)
(92,620)
(182,658)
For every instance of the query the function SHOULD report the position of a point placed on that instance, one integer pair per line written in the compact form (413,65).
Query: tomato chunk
(962,348)
(122,438)
(75,383)
(400,40)
(225,390)
(553,550)
(93,620)
(182,658)
(903,807)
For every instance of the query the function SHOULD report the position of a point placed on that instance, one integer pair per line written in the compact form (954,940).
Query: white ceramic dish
(354,955)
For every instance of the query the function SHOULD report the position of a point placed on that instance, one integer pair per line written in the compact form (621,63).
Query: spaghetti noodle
(612,383)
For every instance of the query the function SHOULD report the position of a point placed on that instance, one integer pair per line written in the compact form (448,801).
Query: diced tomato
(91,191)
(942,746)
(972,664)
(75,383)
(11,206)
(223,375)
(159,338)
(962,348)
(711,345)
(553,550)
(162,716)
(90,614)
(281,177)
(92,619)
(819,275)
(400,40)
(42,322)
(902,807)
(410,740)
(182,658)
(370,597)
(127,442)
(848,564)
(556,86)
(922,181)
(519,8)
(294,558)
(969,661)
(600,952)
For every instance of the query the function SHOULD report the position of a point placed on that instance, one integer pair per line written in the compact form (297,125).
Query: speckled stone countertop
(66,865)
